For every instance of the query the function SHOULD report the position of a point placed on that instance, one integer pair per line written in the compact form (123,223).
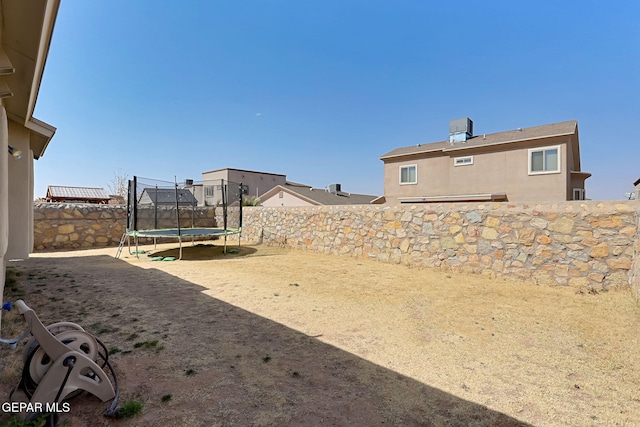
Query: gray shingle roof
(524,134)
(324,197)
(83,193)
(165,196)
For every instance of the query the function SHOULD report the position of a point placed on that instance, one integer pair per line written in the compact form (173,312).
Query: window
(578,194)
(208,191)
(409,174)
(463,161)
(245,189)
(544,160)
(281,194)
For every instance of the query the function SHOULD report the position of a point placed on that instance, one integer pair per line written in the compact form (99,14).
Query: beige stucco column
(20,190)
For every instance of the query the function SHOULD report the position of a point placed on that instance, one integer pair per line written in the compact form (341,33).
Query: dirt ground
(272,337)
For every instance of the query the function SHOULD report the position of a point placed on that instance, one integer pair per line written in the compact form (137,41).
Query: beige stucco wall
(258,182)
(20,194)
(286,200)
(502,169)
(4,198)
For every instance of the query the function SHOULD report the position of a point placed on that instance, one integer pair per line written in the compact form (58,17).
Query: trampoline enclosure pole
(240,212)
(177,210)
(240,207)
(155,211)
(129,209)
(225,200)
(134,203)
(175,181)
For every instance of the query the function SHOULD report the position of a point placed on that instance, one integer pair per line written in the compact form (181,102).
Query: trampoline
(186,232)
(164,210)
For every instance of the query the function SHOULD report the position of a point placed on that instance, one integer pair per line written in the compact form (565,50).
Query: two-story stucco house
(540,163)
(254,183)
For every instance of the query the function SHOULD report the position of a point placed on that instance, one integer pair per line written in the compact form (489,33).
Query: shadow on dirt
(201,252)
(241,369)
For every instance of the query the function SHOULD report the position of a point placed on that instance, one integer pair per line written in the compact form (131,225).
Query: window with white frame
(409,174)
(578,194)
(209,191)
(544,160)
(463,161)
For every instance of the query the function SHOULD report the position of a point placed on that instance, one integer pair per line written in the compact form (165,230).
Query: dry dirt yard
(273,337)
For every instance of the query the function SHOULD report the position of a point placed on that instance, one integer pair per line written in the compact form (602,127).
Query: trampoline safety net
(157,205)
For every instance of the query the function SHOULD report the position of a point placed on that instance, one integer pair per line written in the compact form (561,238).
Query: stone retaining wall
(77,225)
(569,243)
(634,276)
(86,225)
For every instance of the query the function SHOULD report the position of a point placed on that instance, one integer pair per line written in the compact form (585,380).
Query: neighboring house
(77,194)
(254,184)
(26,28)
(116,199)
(540,163)
(636,184)
(167,197)
(293,194)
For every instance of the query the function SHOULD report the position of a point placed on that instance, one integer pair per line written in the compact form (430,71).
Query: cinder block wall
(579,244)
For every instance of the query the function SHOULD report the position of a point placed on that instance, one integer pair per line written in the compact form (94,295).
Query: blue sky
(320,89)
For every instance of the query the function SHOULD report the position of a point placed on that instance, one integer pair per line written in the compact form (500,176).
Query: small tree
(251,201)
(119,184)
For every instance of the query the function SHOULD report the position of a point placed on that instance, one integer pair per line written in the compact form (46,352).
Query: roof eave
(462,146)
(41,135)
(48,24)
(413,153)
(580,173)
(513,141)
(480,197)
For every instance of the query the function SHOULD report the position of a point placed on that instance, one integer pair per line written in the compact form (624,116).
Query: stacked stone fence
(634,276)
(587,243)
(582,244)
(85,225)
(77,225)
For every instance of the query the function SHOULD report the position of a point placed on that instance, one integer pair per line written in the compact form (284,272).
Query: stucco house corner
(26,29)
